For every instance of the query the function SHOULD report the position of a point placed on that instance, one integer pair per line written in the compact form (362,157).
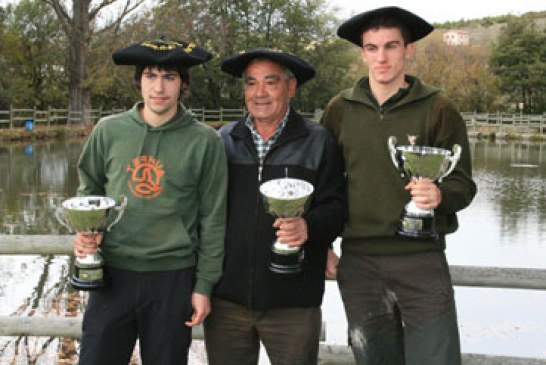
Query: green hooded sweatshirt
(175,179)
(376,195)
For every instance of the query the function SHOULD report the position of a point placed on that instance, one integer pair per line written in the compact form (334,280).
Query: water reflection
(33,184)
(503,227)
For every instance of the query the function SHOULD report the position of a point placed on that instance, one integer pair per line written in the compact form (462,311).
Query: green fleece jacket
(375,188)
(175,180)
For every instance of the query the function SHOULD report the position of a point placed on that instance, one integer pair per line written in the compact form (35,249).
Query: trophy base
(285,260)
(87,285)
(417,227)
(284,269)
(88,275)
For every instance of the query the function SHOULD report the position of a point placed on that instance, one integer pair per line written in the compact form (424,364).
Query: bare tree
(77,24)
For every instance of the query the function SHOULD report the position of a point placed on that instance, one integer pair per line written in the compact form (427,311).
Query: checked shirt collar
(262,147)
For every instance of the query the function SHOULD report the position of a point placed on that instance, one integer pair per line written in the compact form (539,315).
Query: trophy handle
(453,159)
(120,209)
(394,155)
(61,215)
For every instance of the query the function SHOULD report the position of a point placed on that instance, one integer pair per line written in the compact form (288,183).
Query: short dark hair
(182,71)
(288,72)
(388,22)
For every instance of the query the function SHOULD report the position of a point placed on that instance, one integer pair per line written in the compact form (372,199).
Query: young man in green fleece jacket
(397,291)
(166,252)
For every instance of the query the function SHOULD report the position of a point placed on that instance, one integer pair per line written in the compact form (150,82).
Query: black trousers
(150,306)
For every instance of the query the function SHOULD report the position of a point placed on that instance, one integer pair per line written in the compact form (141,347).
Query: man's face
(160,91)
(384,51)
(268,91)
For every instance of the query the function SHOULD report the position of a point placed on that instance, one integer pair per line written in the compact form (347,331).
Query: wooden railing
(488,277)
(18,118)
(517,123)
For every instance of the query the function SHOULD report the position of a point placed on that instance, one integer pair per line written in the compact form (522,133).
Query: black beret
(162,52)
(236,64)
(351,29)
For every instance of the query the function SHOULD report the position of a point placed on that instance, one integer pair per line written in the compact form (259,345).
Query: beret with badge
(351,29)
(162,52)
(236,64)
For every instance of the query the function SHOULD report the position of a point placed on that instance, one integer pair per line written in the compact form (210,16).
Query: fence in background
(18,118)
(506,123)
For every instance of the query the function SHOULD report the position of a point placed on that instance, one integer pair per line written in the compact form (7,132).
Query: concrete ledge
(342,355)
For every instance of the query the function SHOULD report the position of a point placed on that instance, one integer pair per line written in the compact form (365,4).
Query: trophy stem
(414,210)
(89,259)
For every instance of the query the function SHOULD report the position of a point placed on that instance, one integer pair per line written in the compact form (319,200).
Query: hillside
(484,32)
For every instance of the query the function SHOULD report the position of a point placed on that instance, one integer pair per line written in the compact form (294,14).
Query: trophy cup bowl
(89,214)
(286,198)
(418,162)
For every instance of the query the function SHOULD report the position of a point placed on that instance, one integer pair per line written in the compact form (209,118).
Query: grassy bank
(81,131)
(506,135)
(45,133)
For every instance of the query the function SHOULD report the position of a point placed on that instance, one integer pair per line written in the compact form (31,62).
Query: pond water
(502,227)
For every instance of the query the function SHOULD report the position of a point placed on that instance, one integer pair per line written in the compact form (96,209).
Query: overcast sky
(445,10)
(435,10)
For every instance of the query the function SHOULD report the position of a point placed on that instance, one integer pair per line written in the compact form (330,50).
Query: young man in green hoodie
(396,290)
(165,254)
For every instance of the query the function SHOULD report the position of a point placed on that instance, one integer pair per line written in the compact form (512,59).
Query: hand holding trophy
(89,214)
(418,162)
(286,198)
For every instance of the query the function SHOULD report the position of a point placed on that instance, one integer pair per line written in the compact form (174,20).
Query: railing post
(10,116)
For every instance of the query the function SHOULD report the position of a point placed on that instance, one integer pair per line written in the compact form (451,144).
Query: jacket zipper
(257,237)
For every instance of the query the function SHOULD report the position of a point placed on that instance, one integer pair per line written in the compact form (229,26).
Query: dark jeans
(152,306)
(400,309)
(290,336)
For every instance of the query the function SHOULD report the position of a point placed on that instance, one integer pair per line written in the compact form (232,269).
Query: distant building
(456,37)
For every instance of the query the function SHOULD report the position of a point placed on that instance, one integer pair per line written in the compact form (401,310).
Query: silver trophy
(89,214)
(418,162)
(286,198)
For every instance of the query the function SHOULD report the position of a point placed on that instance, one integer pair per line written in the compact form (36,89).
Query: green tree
(302,27)
(34,60)
(4,82)
(80,24)
(519,60)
